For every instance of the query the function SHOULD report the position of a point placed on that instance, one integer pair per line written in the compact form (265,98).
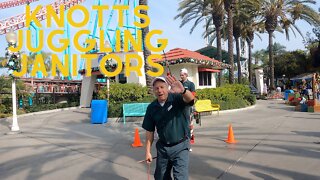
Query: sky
(162,15)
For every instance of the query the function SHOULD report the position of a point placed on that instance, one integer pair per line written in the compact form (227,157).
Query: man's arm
(192,87)
(149,141)
(187,96)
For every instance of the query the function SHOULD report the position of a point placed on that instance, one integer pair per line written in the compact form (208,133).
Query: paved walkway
(274,143)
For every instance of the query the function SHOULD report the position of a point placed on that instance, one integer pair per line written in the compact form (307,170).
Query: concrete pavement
(274,143)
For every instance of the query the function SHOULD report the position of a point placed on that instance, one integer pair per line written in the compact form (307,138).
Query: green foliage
(2,108)
(228,96)
(292,63)
(124,93)
(6,94)
(46,102)
(6,84)
(263,54)
(251,99)
(3,62)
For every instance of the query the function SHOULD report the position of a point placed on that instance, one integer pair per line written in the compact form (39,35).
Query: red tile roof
(178,53)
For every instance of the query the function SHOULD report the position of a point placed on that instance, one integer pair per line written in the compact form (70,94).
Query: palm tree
(250,25)
(249,29)
(146,51)
(260,56)
(217,13)
(229,7)
(190,10)
(283,14)
(237,28)
(210,11)
(46,58)
(3,62)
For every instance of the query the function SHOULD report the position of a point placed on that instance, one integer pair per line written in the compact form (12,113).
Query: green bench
(134,109)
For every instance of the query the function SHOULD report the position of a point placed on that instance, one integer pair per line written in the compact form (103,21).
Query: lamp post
(11,38)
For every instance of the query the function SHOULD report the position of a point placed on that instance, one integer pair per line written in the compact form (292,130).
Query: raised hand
(176,86)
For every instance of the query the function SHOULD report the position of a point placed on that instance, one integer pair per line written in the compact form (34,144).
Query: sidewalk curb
(109,119)
(236,110)
(41,112)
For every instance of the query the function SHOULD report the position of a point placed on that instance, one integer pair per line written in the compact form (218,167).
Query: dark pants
(176,158)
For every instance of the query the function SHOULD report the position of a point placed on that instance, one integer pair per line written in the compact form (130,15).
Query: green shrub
(124,93)
(4,115)
(234,103)
(251,99)
(228,96)
(2,108)
(115,110)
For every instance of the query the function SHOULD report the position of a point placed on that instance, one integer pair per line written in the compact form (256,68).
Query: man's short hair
(184,70)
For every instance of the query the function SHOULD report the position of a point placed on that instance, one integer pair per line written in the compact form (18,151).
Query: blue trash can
(99,111)
(286,93)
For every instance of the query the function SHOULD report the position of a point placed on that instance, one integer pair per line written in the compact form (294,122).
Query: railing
(56,89)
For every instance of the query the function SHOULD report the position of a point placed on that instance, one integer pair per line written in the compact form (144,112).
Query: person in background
(187,84)
(184,80)
(166,114)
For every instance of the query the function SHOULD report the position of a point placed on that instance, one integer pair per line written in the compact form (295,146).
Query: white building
(202,70)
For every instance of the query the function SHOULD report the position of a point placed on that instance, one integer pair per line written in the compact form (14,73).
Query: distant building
(212,52)
(202,71)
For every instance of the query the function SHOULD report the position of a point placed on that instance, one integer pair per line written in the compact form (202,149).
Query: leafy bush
(124,93)
(251,99)
(228,96)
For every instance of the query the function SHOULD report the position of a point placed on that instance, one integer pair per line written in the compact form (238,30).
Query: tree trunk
(238,59)
(230,43)
(219,51)
(146,51)
(249,61)
(271,62)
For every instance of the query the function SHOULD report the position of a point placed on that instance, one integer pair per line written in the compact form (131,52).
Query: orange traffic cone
(230,139)
(136,141)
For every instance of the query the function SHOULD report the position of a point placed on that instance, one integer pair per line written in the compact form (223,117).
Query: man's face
(183,76)
(161,90)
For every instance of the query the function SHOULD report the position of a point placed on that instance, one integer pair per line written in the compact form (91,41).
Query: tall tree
(249,31)
(217,16)
(146,51)
(283,14)
(3,62)
(46,58)
(229,7)
(212,12)
(251,25)
(292,64)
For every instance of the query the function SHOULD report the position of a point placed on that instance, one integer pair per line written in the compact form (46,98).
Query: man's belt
(173,144)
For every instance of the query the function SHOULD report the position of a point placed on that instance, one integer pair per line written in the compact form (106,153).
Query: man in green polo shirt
(167,115)
(187,84)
